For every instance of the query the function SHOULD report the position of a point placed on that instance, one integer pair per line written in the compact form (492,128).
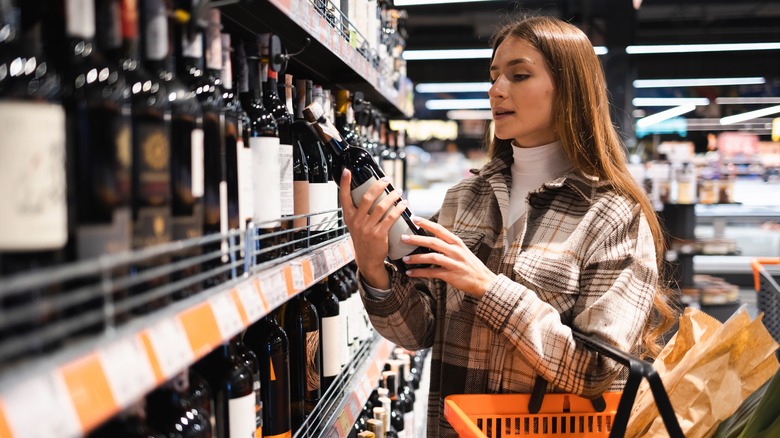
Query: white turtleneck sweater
(531,168)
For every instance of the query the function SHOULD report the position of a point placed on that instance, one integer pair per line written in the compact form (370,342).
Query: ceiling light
(669,101)
(750,115)
(432,2)
(665,115)
(452,104)
(469,115)
(453,87)
(696,82)
(435,54)
(695,48)
(746,100)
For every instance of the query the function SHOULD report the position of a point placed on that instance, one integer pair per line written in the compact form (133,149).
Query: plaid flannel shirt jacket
(583,258)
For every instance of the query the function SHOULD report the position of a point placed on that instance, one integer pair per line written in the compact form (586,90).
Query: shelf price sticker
(348,249)
(274,288)
(319,265)
(41,408)
(226,314)
(296,274)
(127,369)
(330,258)
(170,346)
(251,301)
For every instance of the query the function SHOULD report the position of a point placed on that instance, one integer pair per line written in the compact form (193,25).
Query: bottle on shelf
(269,341)
(201,396)
(378,423)
(186,135)
(364,173)
(171,411)
(331,337)
(340,288)
(283,119)
(250,360)
(130,423)
(300,175)
(300,322)
(232,386)
(316,162)
(397,406)
(264,145)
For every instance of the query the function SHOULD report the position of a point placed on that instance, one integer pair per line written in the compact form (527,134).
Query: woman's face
(521,97)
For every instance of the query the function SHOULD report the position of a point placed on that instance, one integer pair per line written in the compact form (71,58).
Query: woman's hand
(369,227)
(455,264)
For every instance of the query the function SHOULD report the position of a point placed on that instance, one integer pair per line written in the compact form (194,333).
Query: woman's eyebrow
(513,62)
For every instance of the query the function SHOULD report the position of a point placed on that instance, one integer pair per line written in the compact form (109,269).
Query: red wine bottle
(365,172)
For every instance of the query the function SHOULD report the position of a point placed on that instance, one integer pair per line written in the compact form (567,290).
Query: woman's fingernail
(345,172)
(415,218)
(403,202)
(409,272)
(406,258)
(404,237)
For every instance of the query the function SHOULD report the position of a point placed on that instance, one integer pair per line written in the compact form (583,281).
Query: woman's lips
(501,113)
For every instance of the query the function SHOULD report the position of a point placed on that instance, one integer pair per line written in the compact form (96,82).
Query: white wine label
(246,197)
(223,219)
(80,19)
(32,176)
(241,416)
(331,346)
(301,202)
(171,346)
(332,197)
(398,249)
(286,190)
(198,179)
(41,408)
(226,314)
(345,339)
(318,201)
(251,301)
(213,41)
(156,31)
(192,45)
(266,175)
(227,65)
(128,370)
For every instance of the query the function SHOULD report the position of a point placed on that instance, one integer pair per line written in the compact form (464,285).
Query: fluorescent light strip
(746,100)
(669,101)
(697,82)
(750,115)
(696,48)
(432,2)
(665,115)
(453,87)
(437,54)
(469,115)
(455,104)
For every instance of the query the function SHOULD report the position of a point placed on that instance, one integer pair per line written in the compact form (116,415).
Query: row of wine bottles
(266,381)
(132,123)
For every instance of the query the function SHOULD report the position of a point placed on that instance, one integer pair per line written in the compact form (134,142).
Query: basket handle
(540,388)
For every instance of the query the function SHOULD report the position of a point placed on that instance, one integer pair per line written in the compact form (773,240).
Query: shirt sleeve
(617,285)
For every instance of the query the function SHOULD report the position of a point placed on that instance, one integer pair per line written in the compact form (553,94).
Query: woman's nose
(497,88)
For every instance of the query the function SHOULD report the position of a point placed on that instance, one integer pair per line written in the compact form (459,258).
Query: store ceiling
(611,23)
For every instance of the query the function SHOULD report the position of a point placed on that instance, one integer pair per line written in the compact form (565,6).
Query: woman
(551,234)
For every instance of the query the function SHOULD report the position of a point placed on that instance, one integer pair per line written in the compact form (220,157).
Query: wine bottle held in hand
(365,172)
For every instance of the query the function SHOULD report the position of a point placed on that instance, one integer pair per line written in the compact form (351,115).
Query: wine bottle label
(241,416)
(331,346)
(32,177)
(245,185)
(197,163)
(95,240)
(129,18)
(286,190)
(344,330)
(80,18)
(213,41)
(332,198)
(223,219)
(192,45)
(153,163)
(152,227)
(124,157)
(156,30)
(301,202)
(318,201)
(312,359)
(397,248)
(266,176)
(227,66)
(188,227)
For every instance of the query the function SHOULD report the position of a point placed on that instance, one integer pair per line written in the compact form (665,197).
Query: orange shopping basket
(560,415)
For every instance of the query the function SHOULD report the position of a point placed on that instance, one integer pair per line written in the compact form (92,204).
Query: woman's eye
(519,77)
(493,80)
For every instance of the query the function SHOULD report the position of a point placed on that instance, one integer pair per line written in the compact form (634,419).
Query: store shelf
(71,391)
(330,59)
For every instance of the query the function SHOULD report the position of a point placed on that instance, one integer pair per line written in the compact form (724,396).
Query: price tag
(297,276)
(41,408)
(250,299)
(330,258)
(275,288)
(348,250)
(128,370)
(319,265)
(226,313)
(171,346)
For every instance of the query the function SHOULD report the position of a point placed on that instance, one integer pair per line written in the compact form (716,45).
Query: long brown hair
(582,120)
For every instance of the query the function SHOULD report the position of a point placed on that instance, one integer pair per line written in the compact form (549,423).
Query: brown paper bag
(707,370)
